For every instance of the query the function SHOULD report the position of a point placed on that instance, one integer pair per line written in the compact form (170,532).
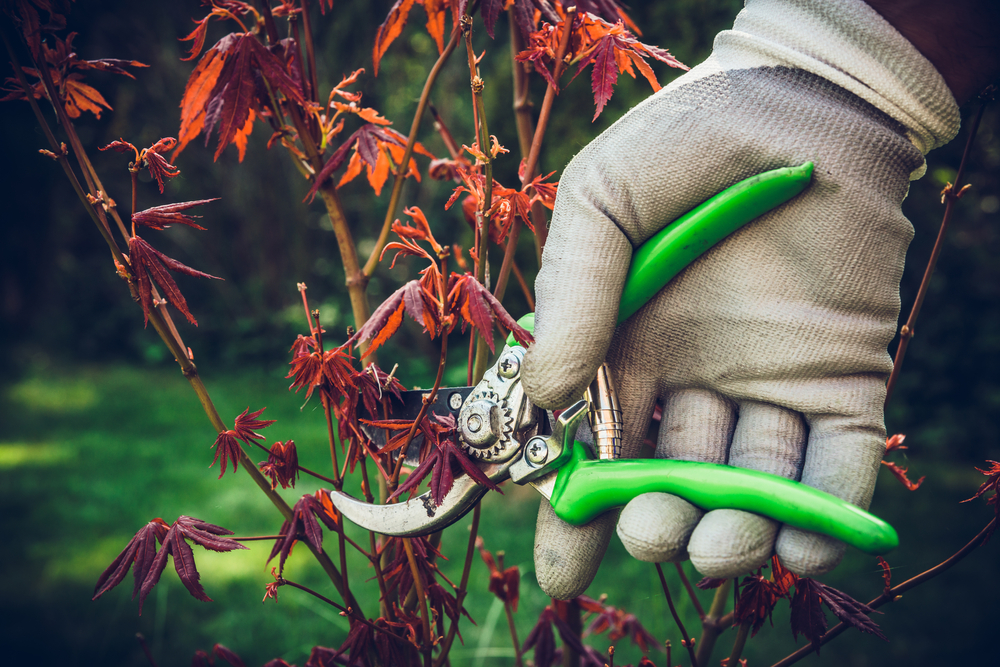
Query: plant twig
(462,587)
(688,643)
(509,611)
(399,175)
(690,590)
(531,161)
(951,195)
(895,592)
(425,619)
(738,644)
(350,612)
(714,623)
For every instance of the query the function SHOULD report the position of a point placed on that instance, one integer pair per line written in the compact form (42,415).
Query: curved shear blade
(420,516)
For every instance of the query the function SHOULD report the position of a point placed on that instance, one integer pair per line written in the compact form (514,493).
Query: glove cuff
(851,45)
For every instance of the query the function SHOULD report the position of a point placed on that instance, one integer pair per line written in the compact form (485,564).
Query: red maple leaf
(64,67)
(886,575)
(247,423)
(282,465)
(228,448)
(303,524)
(370,143)
(161,217)
(505,584)
(895,443)
(141,550)
(808,617)
(542,638)
(148,266)
(479,308)
(991,484)
(619,622)
(223,90)
(443,433)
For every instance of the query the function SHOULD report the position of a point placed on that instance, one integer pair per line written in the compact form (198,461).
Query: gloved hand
(769,352)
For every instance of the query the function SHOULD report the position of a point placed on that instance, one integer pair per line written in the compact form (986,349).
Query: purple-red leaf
(148,265)
(141,550)
(161,217)
(605,73)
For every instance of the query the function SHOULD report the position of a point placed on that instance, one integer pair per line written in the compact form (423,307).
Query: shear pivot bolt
(537,450)
(479,423)
(509,366)
(475,423)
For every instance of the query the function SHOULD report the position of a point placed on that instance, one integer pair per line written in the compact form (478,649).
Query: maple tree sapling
(251,76)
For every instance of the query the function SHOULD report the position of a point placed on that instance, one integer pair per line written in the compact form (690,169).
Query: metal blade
(449,400)
(420,515)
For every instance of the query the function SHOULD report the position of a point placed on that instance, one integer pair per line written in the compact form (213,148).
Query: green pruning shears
(504,432)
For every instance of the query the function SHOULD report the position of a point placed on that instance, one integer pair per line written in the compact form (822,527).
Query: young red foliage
(141,550)
(282,465)
(370,143)
(149,564)
(542,638)
(808,618)
(895,443)
(228,448)
(303,524)
(505,585)
(757,595)
(64,67)
(398,574)
(222,90)
(886,575)
(442,433)
(620,624)
(148,266)
(223,653)
(161,217)
(330,371)
(991,484)
(479,308)
(247,423)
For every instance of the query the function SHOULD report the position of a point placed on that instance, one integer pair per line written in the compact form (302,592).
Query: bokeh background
(101,433)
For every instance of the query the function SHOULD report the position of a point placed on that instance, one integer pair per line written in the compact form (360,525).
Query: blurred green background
(101,433)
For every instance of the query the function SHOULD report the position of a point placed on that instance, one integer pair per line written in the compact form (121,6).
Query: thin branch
(351,613)
(462,587)
(400,173)
(714,623)
(509,611)
(531,162)
(425,618)
(951,195)
(738,644)
(677,619)
(690,590)
(895,592)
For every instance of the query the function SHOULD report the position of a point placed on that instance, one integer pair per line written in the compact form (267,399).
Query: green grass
(90,454)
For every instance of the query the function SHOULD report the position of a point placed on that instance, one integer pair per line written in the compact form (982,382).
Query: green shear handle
(585,488)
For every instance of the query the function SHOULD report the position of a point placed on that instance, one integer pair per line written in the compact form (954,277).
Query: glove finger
(567,557)
(843,459)
(697,425)
(582,273)
(728,543)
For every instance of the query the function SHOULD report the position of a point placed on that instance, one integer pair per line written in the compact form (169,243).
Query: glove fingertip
(567,557)
(808,554)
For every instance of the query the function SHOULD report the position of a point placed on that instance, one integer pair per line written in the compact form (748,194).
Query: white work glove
(768,352)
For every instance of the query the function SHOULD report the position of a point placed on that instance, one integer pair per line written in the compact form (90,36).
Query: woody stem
(399,176)
(951,194)
(462,586)
(531,159)
(677,619)
(894,592)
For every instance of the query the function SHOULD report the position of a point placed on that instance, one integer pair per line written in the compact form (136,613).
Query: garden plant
(255,71)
